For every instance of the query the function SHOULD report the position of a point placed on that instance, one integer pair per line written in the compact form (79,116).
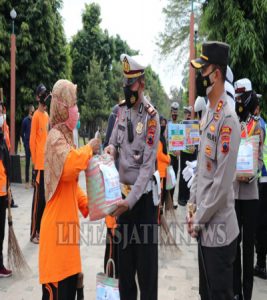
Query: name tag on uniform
(211,137)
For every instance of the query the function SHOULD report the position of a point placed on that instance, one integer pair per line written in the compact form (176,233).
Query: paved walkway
(178,276)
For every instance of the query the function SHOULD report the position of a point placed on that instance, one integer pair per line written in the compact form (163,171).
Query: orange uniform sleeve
(82,202)
(34,128)
(76,161)
(7,136)
(161,157)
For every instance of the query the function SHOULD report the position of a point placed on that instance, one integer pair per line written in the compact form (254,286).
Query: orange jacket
(163,161)
(6,135)
(59,254)
(111,222)
(39,130)
(3,180)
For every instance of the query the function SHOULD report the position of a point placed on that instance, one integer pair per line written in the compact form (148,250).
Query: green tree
(90,41)
(243,25)
(42,53)
(155,91)
(95,101)
(174,40)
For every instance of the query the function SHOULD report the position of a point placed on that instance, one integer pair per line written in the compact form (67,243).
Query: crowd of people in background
(137,138)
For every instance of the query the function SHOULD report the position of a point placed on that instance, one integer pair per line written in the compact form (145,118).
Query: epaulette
(122,103)
(150,110)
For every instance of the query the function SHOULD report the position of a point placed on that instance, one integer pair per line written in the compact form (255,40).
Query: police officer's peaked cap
(200,104)
(40,89)
(174,106)
(133,68)
(216,53)
(229,75)
(242,85)
(188,109)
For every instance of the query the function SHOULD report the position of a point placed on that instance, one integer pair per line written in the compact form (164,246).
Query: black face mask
(202,83)
(174,117)
(1,135)
(162,129)
(131,97)
(244,105)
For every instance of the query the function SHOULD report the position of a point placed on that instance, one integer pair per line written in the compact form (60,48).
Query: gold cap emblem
(126,65)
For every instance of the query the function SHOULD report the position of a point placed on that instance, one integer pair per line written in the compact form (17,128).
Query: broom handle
(9,215)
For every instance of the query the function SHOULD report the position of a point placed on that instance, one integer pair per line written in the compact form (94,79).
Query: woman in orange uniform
(38,137)
(163,160)
(59,255)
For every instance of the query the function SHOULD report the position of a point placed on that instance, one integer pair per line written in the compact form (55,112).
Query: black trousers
(111,252)
(184,191)
(64,290)
(38,205)
(246,211)
(219,266)
(138,250)
(28,160)
(175,165)
(3,206)
(261,230)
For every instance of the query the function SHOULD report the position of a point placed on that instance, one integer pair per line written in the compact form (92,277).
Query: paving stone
(178,274)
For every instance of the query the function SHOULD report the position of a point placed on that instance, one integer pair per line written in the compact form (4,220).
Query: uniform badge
(225,138)
(152,127)
(209,165)
(257,131)
(225,141)
(226,130)
(208,150)
(216,117)
(212,128)
(220,105)
(225,147)
(139,128)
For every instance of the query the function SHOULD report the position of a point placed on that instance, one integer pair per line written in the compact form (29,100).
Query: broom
(167,241)
(15,258)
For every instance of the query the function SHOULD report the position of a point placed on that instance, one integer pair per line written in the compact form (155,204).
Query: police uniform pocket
(121,133)
(136,156)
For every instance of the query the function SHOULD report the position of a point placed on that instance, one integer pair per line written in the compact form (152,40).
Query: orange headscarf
(60,137)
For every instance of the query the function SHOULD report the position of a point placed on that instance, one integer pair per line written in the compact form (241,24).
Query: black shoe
(260,272)
(175,206)
(238,297)
(182,202)
(79,287)
(13,205)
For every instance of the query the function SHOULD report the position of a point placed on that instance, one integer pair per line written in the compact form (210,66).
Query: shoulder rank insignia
(150,110)
(152,127)
(122,103)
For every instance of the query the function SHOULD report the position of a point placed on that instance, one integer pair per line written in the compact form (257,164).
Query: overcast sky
(138,22)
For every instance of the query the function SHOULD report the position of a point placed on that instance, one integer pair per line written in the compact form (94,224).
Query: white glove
(190,181)
(191,164)
(188,172)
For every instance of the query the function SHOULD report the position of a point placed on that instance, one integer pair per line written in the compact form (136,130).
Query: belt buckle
(125,189)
